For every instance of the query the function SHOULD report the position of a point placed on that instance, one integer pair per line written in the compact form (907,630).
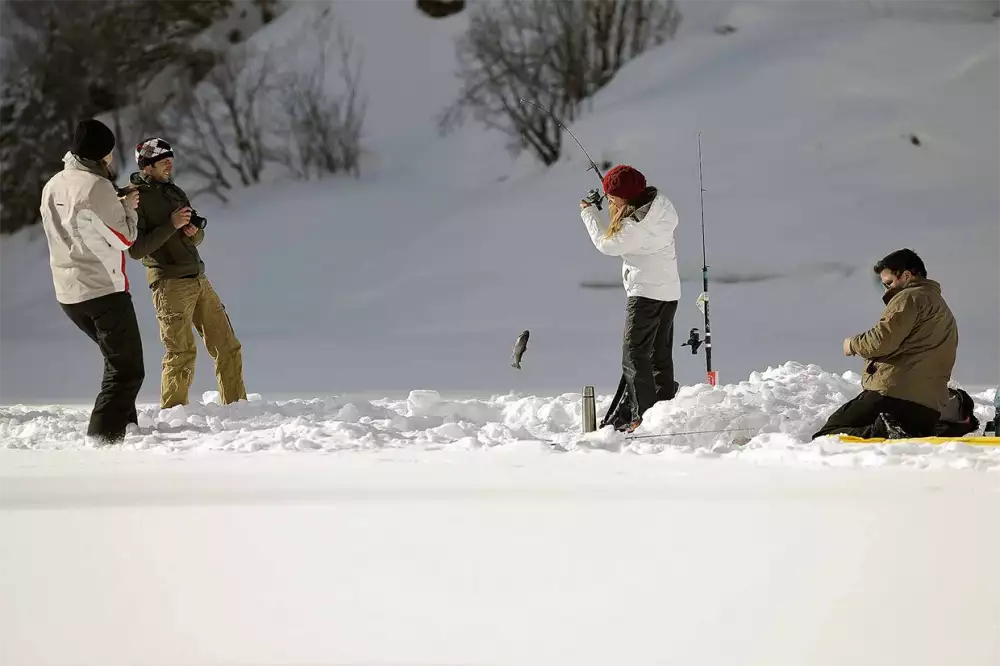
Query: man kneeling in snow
(910,352)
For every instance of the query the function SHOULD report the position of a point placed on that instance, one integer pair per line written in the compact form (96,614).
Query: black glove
(594,197)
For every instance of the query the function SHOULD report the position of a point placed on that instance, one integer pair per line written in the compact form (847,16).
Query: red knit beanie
(625,182)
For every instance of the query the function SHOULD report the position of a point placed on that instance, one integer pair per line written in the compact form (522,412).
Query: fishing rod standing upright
(712,375)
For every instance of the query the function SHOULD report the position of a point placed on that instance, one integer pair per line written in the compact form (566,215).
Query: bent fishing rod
(593,164)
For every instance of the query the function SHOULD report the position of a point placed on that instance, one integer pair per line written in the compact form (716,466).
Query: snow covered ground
(514,557)
(438,531)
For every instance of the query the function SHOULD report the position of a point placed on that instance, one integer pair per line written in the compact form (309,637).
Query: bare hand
(180,217)
(847,347)
(584,204)
(189,230)
(131,199)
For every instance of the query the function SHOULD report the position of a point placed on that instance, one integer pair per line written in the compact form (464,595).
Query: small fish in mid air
(519,347)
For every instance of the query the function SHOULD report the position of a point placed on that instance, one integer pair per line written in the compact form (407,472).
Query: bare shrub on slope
(554,53)
(247,114)
(221,125)
(324,124)
(65,61)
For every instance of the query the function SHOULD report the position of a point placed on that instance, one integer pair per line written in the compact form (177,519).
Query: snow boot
(629,428)
(994,425)
(889,427)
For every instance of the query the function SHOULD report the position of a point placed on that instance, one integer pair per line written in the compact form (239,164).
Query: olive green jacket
(166,252)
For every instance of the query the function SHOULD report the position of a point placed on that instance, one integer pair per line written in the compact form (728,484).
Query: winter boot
(994,425)
(889,427)
(629,428)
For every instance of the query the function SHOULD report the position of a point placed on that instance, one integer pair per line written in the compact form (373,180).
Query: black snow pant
(858,417)
(110,322)
(647,360)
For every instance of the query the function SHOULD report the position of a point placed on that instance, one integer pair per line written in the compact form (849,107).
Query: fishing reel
(694,341)
(594,197)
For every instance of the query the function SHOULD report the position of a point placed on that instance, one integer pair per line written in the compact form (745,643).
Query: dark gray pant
(858,417)
(647,360)
(110,322)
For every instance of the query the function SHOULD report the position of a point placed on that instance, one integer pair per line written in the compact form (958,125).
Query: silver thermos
(589,410)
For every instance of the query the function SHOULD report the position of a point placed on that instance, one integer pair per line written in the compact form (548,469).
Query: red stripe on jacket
(120,237)
(124,275)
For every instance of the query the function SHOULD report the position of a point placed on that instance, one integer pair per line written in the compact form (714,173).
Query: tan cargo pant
(184,303)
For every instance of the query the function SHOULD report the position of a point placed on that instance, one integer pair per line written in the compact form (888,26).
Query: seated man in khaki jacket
(910,352)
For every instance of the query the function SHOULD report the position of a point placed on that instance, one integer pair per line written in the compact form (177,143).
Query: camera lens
(197,220)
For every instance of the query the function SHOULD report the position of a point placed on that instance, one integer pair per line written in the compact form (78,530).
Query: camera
(197,220)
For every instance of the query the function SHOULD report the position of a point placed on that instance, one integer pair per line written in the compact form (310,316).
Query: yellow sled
(975,441)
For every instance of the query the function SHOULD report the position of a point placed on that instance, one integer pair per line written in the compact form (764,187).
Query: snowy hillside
(421,274)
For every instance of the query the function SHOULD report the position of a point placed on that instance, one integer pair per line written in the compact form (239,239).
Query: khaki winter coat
(913,346)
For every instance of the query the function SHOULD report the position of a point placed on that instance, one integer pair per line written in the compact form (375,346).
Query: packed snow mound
(767,419)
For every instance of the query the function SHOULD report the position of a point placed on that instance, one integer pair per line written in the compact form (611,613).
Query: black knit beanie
(92,140)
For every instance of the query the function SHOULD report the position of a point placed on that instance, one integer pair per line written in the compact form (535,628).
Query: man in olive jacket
(910,352)
(169,233)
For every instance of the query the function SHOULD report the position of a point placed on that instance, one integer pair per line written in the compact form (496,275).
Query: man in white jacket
(89,228)
(641,233)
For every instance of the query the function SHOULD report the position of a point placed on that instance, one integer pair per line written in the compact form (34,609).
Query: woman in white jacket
(641,232)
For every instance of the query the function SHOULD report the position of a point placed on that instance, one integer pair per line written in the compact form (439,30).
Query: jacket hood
(647,201)
(921,284)
(76,163)
(71,161)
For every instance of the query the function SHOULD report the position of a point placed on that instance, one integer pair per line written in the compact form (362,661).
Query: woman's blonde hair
(620,209)
(618,215)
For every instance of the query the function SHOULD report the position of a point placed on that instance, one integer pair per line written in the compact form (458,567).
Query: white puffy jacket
(88,229)
(646,246)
